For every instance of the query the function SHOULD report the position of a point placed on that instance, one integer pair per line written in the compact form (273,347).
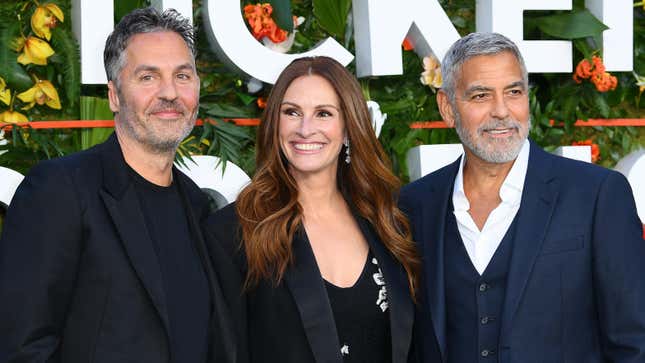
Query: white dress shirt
(481,245)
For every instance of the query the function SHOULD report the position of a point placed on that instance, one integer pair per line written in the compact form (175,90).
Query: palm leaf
(68,62)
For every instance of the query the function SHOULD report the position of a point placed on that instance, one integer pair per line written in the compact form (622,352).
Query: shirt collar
(510,191)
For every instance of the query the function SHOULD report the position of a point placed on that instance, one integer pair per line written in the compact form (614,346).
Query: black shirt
(184,279)
(362,316)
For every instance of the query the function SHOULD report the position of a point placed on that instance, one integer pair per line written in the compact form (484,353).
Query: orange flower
(262,25)
(598,66)
(595,150)
(407,45)
(261,102)
(595,72)
(604,82)
(583,71)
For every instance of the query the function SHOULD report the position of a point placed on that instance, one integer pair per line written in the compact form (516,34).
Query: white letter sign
(617,41)
(235,45)
(92,22)
(507,17)
(381,26)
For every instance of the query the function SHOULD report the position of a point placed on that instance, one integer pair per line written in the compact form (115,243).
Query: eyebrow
(478,88)
(149,68)
(317,106)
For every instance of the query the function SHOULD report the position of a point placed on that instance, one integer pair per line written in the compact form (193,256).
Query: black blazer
(293,321)
(576,283)
(79,277)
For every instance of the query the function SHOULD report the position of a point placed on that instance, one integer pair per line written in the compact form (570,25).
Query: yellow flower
(13,117)
(34,50)
(5,93)
(431,76)
(45,18)
(43,92)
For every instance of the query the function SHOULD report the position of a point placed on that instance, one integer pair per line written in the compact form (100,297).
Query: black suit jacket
(79,277)
(293,321)
(576,284)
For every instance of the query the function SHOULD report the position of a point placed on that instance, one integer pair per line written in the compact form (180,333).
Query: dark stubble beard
(143,132)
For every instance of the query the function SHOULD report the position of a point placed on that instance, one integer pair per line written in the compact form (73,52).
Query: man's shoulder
(575,170)
(81,164)
(437,179)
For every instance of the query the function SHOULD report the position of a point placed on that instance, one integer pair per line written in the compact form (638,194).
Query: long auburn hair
(268,208)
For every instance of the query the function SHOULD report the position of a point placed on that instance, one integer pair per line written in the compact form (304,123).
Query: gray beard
(506,150)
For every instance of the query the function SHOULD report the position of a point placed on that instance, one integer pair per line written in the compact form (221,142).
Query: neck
(318,194)
(154,167)
(482,176)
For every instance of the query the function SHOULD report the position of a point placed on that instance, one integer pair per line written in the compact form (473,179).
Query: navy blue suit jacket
(576,282)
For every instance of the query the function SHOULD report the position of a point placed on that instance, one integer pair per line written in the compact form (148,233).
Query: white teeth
(498,131)
(307,147)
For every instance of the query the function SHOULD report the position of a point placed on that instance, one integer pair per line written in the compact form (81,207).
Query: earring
(348,158)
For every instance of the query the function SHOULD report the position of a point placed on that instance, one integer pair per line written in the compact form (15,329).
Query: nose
(500,109)
(167,90)
(307,127)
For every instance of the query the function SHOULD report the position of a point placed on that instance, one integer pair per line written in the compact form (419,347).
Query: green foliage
(571,25)
(94,108)
(282,14)
(332,15)
(15,76)
(67,62)
(403,98)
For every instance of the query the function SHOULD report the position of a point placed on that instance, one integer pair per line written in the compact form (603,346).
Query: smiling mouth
(500,131)
(307,146)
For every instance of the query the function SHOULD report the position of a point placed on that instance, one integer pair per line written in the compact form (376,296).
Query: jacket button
(484,320)
(485,353)
(483,287)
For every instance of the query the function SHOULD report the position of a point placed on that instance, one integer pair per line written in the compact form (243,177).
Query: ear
(445,108)
(113,97)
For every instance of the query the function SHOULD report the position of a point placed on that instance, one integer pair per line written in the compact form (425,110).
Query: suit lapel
(538,201)
(433,218)
(122,203)
(308,290)
(401,312)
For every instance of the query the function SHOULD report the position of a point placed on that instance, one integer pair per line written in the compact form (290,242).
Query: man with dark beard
(528,257)
(101,257)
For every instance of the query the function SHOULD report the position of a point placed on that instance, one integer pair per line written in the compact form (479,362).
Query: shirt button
(484,320)
(483,287)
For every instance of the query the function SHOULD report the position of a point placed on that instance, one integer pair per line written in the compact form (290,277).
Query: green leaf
(246,99)
(282,14)
(121,8)
(601,104)
(332,15)
(223,110)
(572,25)
(10,70)
(66,47)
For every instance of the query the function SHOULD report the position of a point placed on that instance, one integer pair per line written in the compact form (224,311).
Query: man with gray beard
(101,256)
(528,257)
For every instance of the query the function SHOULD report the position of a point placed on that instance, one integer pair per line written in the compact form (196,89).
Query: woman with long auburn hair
(328,270)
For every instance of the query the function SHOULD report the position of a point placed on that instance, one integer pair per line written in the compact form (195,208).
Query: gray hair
(472,45)
(145,20)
